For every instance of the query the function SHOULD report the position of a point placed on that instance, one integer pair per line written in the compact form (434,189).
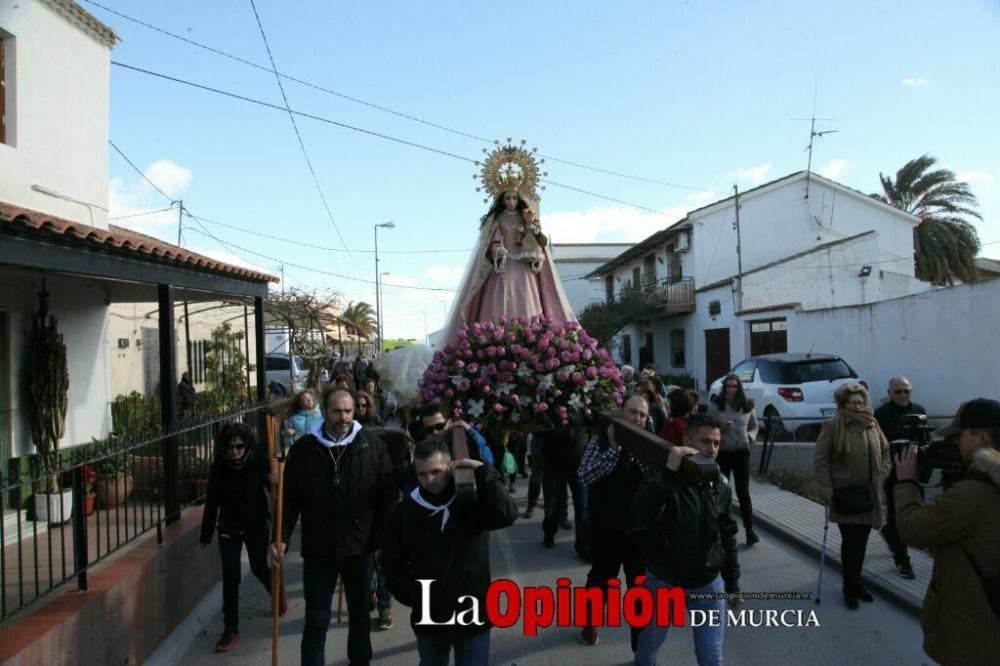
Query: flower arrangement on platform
(523,374)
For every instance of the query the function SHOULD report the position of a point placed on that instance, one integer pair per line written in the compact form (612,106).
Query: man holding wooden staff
(339,479)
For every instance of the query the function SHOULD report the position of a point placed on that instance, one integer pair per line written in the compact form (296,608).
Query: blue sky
(702,94)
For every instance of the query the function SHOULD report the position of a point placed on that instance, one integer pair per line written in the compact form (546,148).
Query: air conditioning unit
(681,243)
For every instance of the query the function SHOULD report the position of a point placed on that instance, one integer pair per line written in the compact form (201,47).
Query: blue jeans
(319,582)
(707,640)
(473,651)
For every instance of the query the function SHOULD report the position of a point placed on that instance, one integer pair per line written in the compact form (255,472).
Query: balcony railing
(113,493)
(674,296)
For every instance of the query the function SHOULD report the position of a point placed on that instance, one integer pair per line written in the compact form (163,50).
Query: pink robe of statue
(486,295)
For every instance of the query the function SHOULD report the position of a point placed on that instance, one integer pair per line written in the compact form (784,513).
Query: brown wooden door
(717,362)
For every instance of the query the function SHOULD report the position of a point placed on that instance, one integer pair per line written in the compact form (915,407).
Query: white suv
(798,387)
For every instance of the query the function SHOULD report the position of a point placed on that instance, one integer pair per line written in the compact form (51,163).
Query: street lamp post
(378,312)
(381,305)
(427,339)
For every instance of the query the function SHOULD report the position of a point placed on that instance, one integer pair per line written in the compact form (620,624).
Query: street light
(427,340)
(378,313)
(381,305)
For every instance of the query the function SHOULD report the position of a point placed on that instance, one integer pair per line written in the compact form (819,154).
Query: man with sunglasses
(340,479)
(433,421)
(888,417)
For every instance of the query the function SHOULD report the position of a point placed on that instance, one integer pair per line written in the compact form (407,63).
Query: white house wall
(911,336)
(82,315)
(778,221)
(57,106)
(138,324)
(830,278)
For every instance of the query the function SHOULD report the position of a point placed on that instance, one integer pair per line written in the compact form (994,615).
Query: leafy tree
(945,241)
(361,317)
(603,319)
(307,316)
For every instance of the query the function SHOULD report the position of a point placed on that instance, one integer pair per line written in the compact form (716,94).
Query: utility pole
(180,218)
(739,253)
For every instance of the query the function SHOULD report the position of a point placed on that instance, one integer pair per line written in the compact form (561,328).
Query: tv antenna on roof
(812,135)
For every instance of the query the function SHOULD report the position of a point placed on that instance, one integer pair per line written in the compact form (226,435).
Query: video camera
(931,454)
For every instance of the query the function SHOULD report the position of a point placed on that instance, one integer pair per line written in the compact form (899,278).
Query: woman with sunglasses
(237,505)
(739,431)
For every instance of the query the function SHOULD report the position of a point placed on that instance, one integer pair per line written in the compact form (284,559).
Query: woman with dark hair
(679,404)
(651,388)
(852,461)
(365,413)
(237,505)
(739,430)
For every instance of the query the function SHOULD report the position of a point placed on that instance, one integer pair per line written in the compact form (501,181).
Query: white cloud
(444,274)
(835,169)
(914,82)
(975,176)
(169,176)
(230,258)
(756,175)
(700,198)
(607,224)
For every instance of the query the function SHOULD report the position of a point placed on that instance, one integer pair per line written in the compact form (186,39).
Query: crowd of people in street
(381,527)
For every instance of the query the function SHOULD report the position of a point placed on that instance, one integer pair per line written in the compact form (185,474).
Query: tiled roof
(22,221)
(84,20)
(769,308)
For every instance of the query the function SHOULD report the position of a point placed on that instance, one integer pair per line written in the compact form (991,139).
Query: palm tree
(361,317)
(945,242)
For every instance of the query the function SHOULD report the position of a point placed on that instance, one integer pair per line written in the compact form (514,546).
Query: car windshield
(277,363)
(815,371)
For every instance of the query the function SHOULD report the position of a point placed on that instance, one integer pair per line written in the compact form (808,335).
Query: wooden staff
(465,479)
(277,574)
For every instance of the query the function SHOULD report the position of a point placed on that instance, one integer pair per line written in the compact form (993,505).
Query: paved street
(878,633)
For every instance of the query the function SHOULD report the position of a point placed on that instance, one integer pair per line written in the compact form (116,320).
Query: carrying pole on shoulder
(277,573)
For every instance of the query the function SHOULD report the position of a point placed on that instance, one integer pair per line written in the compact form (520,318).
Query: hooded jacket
(344,505)
(963,527)
(236,499)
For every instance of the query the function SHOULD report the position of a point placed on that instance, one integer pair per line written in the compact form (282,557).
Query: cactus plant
(47,384)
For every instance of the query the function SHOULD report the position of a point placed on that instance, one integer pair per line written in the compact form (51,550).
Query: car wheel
(779,433)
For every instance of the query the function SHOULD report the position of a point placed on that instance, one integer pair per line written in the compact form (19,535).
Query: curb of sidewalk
(903,602)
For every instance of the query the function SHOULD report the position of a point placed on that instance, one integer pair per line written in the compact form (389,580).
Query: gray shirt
(741,433)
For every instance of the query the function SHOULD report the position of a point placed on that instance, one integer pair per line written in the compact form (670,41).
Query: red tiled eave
(15,220)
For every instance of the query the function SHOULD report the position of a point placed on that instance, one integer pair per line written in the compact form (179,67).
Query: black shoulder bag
(857,498)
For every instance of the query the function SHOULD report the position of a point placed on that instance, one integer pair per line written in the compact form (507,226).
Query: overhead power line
(145,212)
(141,172)
(298,135)
(312,269)
(385,109)
(314,246)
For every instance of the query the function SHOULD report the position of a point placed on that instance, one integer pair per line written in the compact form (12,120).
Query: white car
(292,375)
(798,388)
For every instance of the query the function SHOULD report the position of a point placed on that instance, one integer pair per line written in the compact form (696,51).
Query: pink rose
(578,378)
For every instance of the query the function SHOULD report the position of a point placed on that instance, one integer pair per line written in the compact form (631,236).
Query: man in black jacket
(432,536)
(612,477)
(691,539)
(888,417)
(339,478)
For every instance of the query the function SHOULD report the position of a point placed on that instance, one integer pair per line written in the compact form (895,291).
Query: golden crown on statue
(510,168)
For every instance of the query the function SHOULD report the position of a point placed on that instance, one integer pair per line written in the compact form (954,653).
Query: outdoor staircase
(28,529)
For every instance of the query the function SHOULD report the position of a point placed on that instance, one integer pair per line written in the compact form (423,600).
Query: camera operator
(961,613)
(889,418)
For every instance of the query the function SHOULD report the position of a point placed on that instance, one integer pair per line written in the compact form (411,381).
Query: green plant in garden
(47,382)
(226,368)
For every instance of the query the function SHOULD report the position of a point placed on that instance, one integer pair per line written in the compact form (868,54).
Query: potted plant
(47,385)
(114,480)
(89,474)
(193,473)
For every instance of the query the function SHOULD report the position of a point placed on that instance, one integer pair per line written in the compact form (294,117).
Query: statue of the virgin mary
(510,272)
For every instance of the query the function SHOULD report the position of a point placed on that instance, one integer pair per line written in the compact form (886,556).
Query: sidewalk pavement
(799,521)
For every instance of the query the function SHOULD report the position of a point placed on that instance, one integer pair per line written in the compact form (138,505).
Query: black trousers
(555,479)
(610,552)
(230,547)
(899,551)
(853,544)
(738,463)
(319,583)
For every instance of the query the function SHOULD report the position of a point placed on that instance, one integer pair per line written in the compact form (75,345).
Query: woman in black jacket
(238,505)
